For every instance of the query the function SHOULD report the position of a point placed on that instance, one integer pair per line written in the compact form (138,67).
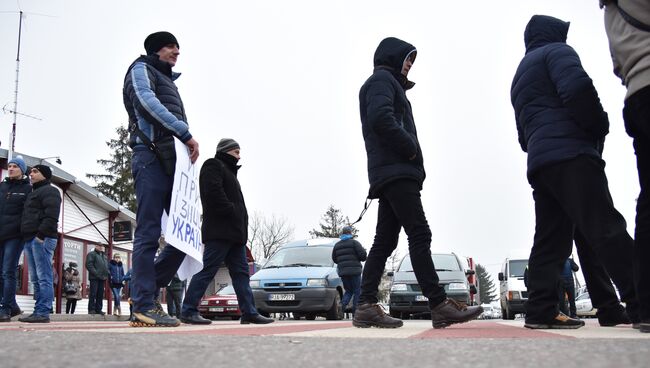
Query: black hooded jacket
(41,212)
(387,120)
(224,211)
(13,193)
(557,109)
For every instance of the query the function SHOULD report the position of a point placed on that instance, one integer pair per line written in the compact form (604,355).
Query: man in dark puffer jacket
(348,255)
(224,232)
(396,173)
(562,126)
(155,108)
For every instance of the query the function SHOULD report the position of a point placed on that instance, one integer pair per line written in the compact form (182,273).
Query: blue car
(300,278)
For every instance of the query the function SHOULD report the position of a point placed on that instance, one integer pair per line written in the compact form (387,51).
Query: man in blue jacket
(562,126)
(156,115)
(396,174)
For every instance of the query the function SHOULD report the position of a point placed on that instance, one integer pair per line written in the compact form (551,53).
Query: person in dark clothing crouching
(396,173)
(348,255)
(224,232)
(562,126)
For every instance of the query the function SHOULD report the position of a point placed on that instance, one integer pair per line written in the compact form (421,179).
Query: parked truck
(513,293)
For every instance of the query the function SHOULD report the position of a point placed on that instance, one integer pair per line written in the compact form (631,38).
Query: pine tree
(117,183)
(332,222)
(486,287)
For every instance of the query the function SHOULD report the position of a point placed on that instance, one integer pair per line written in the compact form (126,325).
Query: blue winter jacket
(116,273)
(152,100)
(557,109)
(387,120)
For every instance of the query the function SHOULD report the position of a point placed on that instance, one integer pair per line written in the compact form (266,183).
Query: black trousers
(70,305)
(637,123)
(174,298)
(599,284)
(572,195)
(568,291)
(95,295)
(400,206)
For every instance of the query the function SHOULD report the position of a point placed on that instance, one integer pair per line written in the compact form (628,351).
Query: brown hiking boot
(369,315)
(450,311)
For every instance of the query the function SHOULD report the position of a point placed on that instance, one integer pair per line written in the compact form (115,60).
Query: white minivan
(512,290)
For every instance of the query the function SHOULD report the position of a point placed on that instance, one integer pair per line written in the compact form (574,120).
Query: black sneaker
(373,315)
(257,319)
(560,322)
(450,312)
(153,318)
(33,318)
(611,317)
(4,317)
(644,327)
(195,319)
(15,312)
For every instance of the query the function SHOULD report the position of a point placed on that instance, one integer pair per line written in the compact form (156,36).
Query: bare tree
(265,234)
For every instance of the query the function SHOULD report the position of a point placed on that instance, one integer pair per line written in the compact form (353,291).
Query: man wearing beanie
(13,192)
(396,174)
(156,116)
(224,231)
(348,255)
(39,230)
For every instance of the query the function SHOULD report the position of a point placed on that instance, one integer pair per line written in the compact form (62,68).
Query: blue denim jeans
(214,254)
(10,254)
(117,295)
(352,285)
(153,189)
(39,259)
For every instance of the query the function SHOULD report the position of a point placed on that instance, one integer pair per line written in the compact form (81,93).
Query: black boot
(450,311)
(257,319)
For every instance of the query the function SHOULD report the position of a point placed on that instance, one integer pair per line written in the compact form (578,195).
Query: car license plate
(282,297)
(421,298)
(216,309)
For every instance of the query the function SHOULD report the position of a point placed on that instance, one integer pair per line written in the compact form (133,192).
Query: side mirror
(472,289)
(502,276)
(470,272)
(390,273)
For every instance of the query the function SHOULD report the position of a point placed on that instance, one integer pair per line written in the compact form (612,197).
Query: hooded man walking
(562,126)
(396,173)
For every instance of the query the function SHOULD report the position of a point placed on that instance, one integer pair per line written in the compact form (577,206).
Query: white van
(513,293)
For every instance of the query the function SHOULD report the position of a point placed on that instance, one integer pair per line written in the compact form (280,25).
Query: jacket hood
(392,52)
(543,29)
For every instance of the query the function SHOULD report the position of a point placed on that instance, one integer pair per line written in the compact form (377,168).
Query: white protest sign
(182,226)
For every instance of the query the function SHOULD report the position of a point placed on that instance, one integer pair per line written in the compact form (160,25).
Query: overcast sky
(282,78)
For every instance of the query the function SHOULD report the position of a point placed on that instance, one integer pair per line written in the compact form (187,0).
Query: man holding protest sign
(156,116)
(224,232)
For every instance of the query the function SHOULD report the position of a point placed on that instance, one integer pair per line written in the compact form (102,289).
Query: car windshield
(226,290)
(442,262)
(518,267)
(301,257)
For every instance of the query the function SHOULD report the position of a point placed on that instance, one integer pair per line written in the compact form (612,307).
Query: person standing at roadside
(562,126)
(13,193)
(627,23)
(116,271)
(348,255)
(39,228)
(71,275)
(568,288)
(98,273)
(224,232)
(156,115)
(396,173)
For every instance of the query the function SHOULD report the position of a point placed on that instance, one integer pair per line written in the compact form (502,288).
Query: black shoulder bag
(164,148)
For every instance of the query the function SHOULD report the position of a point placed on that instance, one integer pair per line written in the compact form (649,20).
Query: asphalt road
(318,344)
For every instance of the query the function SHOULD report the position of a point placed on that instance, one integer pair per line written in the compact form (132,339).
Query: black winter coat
(13,193)
(387,120)
(41,212)
(557,109)
(348,255)
(97,266)
(224,211)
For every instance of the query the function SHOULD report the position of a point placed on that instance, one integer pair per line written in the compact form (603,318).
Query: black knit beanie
(45,170)
(156,41)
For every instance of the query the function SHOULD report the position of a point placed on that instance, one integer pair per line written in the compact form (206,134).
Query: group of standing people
(562,126)
(29,215)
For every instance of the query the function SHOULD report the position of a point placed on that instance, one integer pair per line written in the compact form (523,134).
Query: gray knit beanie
(227,144)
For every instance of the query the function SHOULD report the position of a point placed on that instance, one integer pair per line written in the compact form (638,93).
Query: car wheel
(507,314)
(336,311)
(234,318)
(310,316)
(297,316)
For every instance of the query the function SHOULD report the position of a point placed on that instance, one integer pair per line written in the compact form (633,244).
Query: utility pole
(15,112)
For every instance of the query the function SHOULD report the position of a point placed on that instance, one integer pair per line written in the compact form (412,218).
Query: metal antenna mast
(15,112)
